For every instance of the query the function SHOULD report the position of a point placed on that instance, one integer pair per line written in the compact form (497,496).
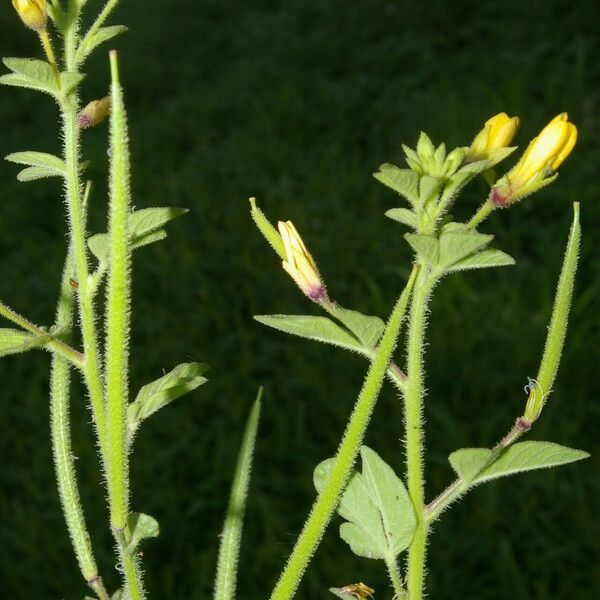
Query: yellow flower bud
(300,264)
(496,135)
(94,113)
(32,13)
(536,168)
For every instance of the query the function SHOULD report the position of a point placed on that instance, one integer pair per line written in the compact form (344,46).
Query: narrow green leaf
(368,329)
(231,537)
(99,245)
(426,246)
(455,246)
(101,35)
(149,238)
(140,526)
(527,456)
(15,341)
(403,181)
(425,147)
(467,462)
(320,329)
(391,499)
(490,257)
(266,228)
(147,220)
(39,159)
(152,397)
(30,73)
(34,173)
(403,215)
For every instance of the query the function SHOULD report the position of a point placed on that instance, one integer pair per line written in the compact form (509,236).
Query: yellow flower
(536,168)
(94,113)
(32,13)
(491,143)
(300,264)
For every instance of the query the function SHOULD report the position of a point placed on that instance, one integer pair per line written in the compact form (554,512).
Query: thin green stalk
(77,222)
(394,573)
(232,531)
(460,486)
(118,323)
(482,213)
(61,443)
(53,343)
(413,401)
(325,505)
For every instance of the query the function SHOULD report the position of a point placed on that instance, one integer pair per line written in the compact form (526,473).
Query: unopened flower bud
(94,113)
(32,13)
(535,401)
(300,264)
(537,167)
(492,142)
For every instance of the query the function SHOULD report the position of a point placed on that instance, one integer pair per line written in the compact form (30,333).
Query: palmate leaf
(518,458)
(379,514)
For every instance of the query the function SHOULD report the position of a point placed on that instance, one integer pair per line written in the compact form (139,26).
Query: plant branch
(61,442)
(324,506)
(52,343)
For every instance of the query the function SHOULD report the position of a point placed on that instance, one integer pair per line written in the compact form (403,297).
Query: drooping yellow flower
(492,142)
(537,167)
(300,264)
(94,113)
(32,13)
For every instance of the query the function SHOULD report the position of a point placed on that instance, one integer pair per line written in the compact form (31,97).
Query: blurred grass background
(297,103)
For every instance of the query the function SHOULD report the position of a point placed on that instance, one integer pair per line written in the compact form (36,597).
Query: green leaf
(146,220)
(490,257)
(403,215)
(403,181)
(467,462)
(31,73)
(152,397)
(140,526)
(34,173)
(320,329)
(99,245)
(118,595)
(391,499)
(231,537)
(101,35)
(426,246)
(368,329)
(456,246)
(144,229)
(357,507)
(425,147)
(69,81)
(429,188)
(15,341)
(39,159)
(527,456)
(381,519)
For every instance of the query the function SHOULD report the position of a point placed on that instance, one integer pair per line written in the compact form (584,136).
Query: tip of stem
(114,66)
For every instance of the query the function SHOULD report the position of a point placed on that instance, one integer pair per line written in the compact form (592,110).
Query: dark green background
(297,103)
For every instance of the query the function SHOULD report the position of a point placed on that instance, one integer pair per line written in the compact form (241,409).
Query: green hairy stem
(323,508)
